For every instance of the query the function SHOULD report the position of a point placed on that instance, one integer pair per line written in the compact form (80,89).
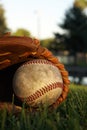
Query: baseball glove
(13,52)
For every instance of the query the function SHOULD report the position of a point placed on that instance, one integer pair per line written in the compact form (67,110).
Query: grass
(70,115)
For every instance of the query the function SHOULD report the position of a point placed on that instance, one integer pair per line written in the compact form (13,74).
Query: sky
(40,17)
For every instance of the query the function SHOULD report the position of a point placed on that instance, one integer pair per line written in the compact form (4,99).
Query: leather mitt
(13,52)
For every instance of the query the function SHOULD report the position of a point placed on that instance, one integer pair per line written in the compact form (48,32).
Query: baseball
(38,82)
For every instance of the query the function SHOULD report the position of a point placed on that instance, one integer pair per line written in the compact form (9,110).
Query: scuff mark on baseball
(38,82)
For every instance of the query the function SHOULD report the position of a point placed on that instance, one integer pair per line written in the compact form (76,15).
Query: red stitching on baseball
(42,91)
(45,89)
(39,61)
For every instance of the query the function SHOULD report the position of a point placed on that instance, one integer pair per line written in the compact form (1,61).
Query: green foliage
(51,44)
(22,32)
(3,26)
(46,42)
(70,115)
(57,44)
(81,3)
(75,25)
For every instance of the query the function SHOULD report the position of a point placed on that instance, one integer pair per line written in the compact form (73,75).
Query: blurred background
(61,26)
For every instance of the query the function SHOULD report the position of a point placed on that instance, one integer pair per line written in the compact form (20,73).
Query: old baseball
(38,82)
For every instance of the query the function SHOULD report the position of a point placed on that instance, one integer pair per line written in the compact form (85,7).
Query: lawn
(70,115)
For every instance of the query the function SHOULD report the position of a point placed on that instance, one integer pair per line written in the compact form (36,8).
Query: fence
(71,60)
(76,66)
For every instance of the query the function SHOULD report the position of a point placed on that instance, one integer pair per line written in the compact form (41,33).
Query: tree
(75,26)
(57,43)
(3,26)
(46,42)
(22,32)
(81,4)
